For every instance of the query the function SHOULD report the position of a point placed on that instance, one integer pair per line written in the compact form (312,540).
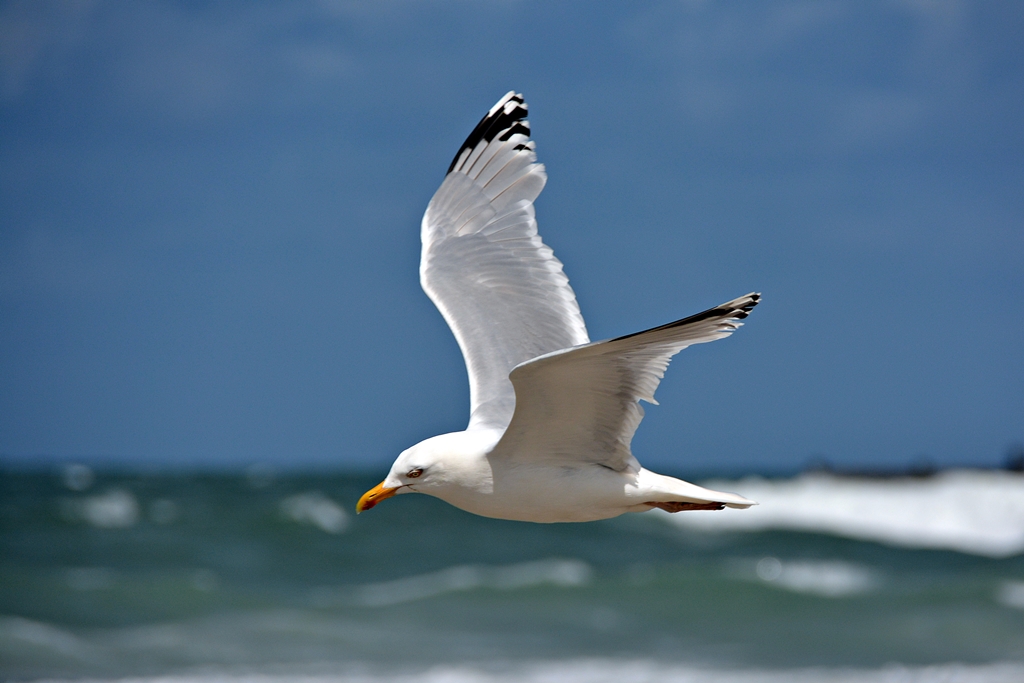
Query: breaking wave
(617,671)
(565,573)
(971,511)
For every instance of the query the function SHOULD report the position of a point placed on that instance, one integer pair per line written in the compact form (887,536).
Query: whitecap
(827,578)
(26,632)
(617,671)
(316,509)
(554,572)
(1011,594)
(971,511)
(116,508)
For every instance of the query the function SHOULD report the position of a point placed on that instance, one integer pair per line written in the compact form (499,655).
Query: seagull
(552,414)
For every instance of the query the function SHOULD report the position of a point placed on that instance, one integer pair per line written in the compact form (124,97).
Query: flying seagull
(552,414)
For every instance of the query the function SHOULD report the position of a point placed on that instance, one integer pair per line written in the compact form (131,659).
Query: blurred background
(212,336)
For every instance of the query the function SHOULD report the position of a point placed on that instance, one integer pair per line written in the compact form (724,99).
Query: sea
(266,577)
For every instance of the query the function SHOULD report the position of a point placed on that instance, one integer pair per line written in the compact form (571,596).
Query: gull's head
(441,466)
(417,469)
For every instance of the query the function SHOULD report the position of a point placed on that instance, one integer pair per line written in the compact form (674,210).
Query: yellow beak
(374,496)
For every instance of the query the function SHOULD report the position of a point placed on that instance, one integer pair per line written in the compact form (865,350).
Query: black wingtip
(506,118)
(737,309)
(742,306)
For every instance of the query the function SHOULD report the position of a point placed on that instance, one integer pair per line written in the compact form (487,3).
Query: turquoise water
(118,575)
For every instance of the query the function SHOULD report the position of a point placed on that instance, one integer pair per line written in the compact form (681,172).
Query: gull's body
(552,414)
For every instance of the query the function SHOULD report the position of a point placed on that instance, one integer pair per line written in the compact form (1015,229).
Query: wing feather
(582,404)
(498,286)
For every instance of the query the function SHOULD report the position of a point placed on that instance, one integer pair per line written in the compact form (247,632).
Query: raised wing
(499,287)
(582,404)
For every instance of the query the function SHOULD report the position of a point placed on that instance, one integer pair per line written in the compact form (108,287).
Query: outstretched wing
(582,404)
(499,287)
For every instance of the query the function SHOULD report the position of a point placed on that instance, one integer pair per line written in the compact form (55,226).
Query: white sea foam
(972,511)
(316,509)
(114,509)
(1011,594)
(556,572)
(621,671)
(25,633)
(831,579)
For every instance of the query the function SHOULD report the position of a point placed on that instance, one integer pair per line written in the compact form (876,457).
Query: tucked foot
(680,507)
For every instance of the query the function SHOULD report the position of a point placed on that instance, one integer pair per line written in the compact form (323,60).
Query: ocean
(255,577)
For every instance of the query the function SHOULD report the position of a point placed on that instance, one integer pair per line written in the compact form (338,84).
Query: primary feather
(499,287)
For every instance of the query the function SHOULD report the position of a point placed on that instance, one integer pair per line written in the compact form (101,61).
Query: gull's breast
(549,493)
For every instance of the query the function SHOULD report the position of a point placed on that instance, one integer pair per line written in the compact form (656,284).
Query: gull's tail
(675,495)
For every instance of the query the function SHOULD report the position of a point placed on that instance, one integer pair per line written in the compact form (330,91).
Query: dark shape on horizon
(1014,460)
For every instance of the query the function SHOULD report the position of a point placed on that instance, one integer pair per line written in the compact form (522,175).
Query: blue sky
(210,218)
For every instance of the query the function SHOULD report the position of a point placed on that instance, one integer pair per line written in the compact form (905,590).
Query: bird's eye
(414,473)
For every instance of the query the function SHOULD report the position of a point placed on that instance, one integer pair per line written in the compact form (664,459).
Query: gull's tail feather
(675,495)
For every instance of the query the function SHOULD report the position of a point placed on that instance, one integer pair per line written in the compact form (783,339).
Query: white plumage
(551,414)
